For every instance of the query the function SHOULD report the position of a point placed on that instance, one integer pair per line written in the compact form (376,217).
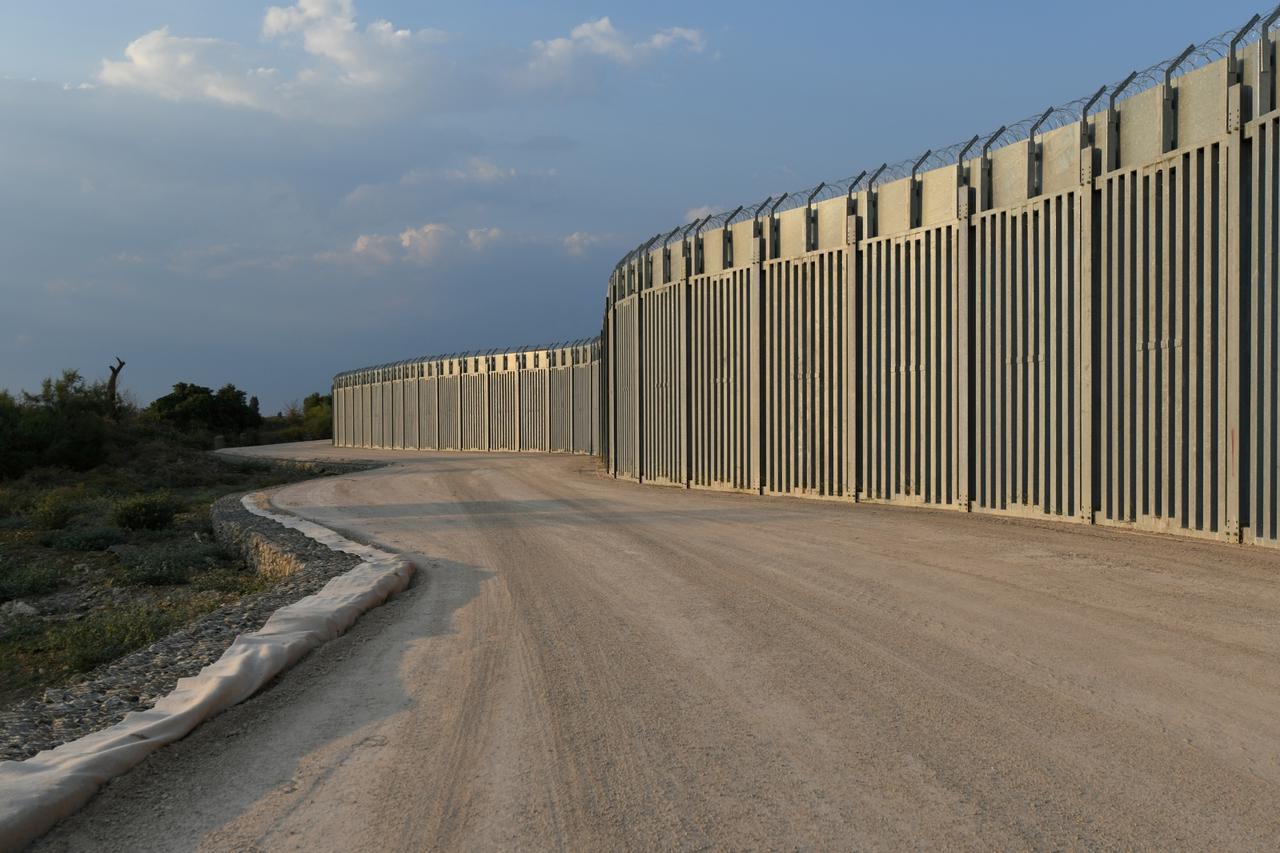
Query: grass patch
(102,637)
(169,563)
(84,539)
(150,507)
(23,580)
(55,508)
(238,582)
(145,512)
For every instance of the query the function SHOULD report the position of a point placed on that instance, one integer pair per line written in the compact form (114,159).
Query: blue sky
(267,194)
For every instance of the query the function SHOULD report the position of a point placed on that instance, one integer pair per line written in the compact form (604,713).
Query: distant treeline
(76,424)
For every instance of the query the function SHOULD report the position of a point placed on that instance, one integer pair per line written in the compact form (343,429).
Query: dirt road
(591,664)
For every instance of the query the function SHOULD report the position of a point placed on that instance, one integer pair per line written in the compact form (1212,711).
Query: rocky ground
(100,698)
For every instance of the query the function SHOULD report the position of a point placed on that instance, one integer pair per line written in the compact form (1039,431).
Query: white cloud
(178,68)
(420,246)
(482,238)
(554,59)
(579,242)
(342,70)
(349,64)
(369,251)
(672,36)
(423,245)
(329,31)
(377,248)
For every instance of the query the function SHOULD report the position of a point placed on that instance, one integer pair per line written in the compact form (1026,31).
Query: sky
(268,194)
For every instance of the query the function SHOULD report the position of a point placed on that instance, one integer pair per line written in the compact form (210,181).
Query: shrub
(145,512)
(26,580)
(53,509)
(86,539)
(168,564)
(101,637)
(232,580)
(64,425)
(193,408)
(11,514)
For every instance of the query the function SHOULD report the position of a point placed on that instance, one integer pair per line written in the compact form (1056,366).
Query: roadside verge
(37,792)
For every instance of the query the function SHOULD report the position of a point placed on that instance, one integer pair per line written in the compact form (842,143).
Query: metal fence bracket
(1035,157)
(1113,123)
(811,220)
(1169,103)
(916,214)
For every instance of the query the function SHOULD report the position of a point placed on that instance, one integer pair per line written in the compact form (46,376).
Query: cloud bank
(345,66)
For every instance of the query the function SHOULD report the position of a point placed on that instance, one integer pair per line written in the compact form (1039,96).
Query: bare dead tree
(111,383)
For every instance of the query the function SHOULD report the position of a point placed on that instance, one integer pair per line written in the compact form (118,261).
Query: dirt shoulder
(591,664)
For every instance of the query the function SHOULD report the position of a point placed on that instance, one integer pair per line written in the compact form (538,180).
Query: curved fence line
(1076,317)
(534,398)
(1140,80)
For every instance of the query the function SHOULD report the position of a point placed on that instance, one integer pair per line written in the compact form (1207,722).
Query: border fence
(535,399)
(1073,317)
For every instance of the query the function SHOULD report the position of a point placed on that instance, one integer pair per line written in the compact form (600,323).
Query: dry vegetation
(99,561)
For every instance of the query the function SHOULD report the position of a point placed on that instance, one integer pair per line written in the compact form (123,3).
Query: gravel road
(592,665)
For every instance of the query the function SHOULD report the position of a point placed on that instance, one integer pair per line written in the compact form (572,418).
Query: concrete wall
(533,399)
(1079,324)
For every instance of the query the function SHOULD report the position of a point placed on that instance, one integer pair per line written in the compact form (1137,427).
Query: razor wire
(1194,56)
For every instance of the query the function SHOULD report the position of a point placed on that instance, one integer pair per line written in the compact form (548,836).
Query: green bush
(11,516)
(86,539)
(145,512)
(232,580)
(168,564)
(26,580)
(196,408)
(64,425)
(101,637)
(55,508)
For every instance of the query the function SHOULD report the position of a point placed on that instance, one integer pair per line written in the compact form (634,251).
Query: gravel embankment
(102,697)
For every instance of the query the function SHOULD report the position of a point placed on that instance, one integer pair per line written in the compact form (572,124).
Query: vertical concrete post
(962,297)
(852,386)
(612,324)
(1235,241)
(488,404)
(637,429)
(755,375)
(1087,335)
(684,330)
